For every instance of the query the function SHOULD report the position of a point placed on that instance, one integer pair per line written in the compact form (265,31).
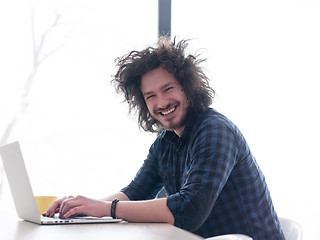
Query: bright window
(75,127)
(263,59)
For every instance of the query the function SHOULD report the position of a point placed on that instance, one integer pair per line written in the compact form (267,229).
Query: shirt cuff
(173,203)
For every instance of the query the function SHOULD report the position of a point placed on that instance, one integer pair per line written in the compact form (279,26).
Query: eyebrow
(161,88)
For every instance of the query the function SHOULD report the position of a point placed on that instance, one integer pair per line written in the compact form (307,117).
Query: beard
(173,124)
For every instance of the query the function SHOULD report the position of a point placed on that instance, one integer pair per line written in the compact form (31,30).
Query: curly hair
(172,57)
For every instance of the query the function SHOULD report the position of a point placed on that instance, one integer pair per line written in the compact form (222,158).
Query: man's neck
(179,131)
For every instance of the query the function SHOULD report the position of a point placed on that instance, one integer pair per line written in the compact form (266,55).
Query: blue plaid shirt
(212,180)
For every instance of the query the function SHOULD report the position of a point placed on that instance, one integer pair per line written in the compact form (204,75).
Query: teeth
(168,111)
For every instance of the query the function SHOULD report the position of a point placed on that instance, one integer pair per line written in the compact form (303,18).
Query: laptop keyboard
(56,219)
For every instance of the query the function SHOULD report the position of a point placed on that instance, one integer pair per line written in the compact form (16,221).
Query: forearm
(120,195)
(145,211)
(141,211)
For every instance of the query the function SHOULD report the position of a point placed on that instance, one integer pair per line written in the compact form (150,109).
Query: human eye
(149,97)
(168,89)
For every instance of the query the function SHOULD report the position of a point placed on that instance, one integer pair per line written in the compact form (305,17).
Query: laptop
(22,194)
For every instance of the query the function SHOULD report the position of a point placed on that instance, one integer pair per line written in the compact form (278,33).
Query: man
(213,183)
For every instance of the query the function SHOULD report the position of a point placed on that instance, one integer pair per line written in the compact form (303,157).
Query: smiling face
(165,99)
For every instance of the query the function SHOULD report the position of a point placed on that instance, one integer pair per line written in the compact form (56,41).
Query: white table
(14,229)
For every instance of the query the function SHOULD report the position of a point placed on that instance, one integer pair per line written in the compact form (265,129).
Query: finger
(53,208)
(73,212)
(62,205)
(68,204)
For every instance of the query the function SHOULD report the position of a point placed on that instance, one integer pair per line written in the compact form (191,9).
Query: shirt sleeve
(147,182)
(213,154)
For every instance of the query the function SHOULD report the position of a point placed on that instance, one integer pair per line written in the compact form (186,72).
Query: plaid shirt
(213,182)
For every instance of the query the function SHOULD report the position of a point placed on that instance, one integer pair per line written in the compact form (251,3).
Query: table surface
(23,230)
(13,228)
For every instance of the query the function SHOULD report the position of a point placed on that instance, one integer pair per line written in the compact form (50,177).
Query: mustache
(170,105)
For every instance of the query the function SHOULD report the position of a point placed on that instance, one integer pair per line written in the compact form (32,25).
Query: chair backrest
(291,229)
(230,237)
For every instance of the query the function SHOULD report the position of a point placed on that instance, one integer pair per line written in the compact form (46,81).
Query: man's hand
(79,205)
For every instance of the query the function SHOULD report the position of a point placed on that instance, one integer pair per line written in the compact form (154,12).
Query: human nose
(162,102)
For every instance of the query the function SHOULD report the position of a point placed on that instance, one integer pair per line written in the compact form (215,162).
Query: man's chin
(173,126)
